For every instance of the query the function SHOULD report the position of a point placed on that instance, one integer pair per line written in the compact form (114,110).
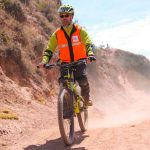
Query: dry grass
(41,100)
(52,92)
(8,114)
(22,43)
(26,2)
(14,9)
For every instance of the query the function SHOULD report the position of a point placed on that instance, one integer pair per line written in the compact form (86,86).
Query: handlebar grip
(49,66)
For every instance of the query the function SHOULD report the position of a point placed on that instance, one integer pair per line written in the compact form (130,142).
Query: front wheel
(83,117)
(65,117)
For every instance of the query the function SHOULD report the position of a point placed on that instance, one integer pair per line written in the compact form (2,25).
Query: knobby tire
(68,138)
(83,117)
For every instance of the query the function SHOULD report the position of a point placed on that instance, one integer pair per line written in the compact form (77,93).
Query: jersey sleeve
(85,38)
(52,44)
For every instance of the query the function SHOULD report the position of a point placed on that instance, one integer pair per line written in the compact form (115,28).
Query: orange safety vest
(70,47)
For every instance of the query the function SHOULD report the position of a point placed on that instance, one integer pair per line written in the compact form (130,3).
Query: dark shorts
(79,72)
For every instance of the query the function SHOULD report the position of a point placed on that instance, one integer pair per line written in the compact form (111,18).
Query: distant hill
(119,76)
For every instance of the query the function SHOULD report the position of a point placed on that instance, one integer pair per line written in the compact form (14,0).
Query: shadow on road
(57,144)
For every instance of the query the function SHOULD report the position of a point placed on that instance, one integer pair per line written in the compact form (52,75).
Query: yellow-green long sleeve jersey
(52,44)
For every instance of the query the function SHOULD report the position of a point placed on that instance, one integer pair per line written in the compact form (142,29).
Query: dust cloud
(113,114)
(118,108)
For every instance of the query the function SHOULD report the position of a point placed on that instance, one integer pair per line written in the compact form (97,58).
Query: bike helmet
(66,9)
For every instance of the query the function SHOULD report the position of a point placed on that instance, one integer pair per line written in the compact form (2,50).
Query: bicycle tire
(67,136)
(83,117)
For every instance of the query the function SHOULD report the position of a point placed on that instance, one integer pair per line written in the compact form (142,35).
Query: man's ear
(72,15)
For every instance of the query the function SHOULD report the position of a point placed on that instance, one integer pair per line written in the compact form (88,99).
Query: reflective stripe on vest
(71,48)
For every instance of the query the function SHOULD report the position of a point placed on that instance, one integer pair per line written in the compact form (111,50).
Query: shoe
(90,103)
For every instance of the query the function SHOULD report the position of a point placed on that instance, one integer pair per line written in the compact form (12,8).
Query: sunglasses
(64,16)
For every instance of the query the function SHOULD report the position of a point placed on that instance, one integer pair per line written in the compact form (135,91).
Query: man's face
(66,19)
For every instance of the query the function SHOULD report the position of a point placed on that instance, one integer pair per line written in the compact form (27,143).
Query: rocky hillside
(25,30)
(25,27)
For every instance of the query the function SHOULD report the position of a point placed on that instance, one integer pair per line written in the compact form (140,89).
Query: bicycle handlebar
(50,66)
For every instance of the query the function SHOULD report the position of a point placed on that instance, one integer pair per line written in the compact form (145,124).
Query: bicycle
(70,104)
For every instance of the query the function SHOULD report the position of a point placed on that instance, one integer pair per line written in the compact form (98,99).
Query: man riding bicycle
(74,44)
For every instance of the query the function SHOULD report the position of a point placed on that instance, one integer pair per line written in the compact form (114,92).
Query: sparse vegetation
(47,8)
(53,92)
(19,36)
(40,99)
(24,33)
(7,114)
(38,46)
(11,58)
(13,53)
(14,9)
(3,38)
(44,24)
(26,2)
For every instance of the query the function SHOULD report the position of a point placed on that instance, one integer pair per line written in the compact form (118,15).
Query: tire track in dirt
(129,137)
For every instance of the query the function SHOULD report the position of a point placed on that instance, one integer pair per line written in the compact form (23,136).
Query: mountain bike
(70,104)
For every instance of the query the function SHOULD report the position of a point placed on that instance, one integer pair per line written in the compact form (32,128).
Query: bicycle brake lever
(47,66)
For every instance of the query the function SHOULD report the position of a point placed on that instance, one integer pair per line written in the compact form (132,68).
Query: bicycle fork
(74,97)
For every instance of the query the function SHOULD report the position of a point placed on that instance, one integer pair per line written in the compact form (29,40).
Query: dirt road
(114,124)
(130,137)
(41,133)
(37,129)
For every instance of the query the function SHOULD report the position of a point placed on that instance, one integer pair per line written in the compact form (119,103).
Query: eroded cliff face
(25,27)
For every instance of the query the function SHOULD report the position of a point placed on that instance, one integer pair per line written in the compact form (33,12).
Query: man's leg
(85,89)
(80,75)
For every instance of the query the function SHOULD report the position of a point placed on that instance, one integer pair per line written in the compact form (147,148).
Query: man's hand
(92,58)
(41,65)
